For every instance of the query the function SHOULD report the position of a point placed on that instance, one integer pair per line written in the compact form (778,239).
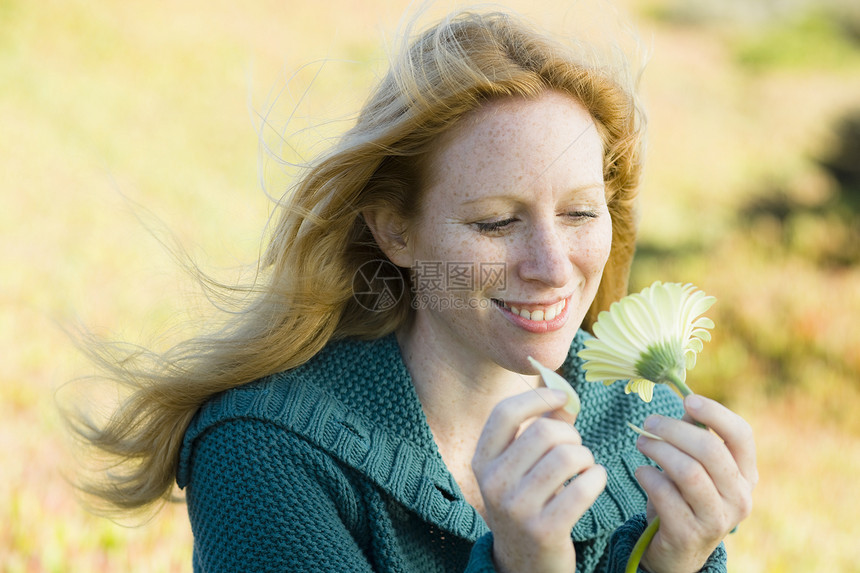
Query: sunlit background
(111,112)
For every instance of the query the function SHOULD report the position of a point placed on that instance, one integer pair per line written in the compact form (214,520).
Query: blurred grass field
(157,102)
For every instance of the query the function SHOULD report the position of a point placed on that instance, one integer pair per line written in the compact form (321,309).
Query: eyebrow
(518,199)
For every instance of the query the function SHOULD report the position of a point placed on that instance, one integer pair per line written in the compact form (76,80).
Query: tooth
(551,312)
(514,310)
(525,314)
(537,315)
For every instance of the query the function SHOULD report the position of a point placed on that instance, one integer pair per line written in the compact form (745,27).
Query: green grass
(150,101)
(811,40)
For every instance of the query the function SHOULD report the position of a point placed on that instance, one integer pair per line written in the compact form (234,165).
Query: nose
(547,257)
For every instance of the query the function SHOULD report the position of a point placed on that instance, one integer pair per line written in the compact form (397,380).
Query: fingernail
(559,395)
(694,402)
(650,423)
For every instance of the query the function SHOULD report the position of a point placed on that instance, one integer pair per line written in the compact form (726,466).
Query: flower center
(662,363)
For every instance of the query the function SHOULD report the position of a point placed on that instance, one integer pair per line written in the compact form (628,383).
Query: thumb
(566,413)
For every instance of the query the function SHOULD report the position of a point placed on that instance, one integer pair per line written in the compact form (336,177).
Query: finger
(701,447)
(663,495)
(703,470)
(732,429)
(534,443)
(690,478)
(507,417)
(569,505)
(562,415)
(559,465)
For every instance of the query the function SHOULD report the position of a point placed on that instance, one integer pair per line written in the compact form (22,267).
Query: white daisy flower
(648,338)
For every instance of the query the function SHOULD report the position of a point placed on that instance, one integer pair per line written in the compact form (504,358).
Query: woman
(489,181)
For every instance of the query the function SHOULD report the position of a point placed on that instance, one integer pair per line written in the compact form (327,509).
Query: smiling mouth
(535,312)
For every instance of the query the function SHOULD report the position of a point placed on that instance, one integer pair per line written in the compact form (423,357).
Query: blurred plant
(649,338)
(824,229)
(705,12)
(767,34)
(813,38)
(843,161)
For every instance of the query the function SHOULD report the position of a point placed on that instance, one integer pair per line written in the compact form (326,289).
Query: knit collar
(378,402)
(356,401)
(383,397)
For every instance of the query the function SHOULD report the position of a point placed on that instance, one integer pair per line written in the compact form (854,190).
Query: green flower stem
(651,530)
(682,387)
(642,545)
(678,383)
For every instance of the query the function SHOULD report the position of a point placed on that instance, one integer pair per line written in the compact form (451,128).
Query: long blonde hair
(321,239)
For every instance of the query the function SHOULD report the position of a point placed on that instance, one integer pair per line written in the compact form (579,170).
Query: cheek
(453,246)
(453,261)
(592,247)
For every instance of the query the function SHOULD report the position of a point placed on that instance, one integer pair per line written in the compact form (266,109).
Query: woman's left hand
(705,487)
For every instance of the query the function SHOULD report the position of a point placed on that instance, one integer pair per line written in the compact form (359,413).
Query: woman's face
(513,235)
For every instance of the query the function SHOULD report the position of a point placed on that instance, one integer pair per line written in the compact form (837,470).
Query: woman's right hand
(528,449)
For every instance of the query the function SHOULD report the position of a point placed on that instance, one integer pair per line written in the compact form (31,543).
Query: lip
(535,326)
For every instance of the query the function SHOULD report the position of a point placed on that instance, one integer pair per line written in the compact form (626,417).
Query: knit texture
(332,466)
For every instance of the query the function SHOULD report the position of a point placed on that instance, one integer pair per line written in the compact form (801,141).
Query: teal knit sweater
(331,466)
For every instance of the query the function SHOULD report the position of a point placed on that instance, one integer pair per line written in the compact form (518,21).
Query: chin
(551,354)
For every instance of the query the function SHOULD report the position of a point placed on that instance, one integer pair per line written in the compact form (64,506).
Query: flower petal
(655,331)
(645,433)
(701,334)
(645,388)
(553,380)
(695,344)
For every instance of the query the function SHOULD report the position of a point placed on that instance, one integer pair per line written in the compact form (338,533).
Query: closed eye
(582,214)
(494,225)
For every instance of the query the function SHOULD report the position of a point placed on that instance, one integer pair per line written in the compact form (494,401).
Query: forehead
(519,140)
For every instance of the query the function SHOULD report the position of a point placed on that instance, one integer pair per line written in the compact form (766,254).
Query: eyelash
(495,226)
